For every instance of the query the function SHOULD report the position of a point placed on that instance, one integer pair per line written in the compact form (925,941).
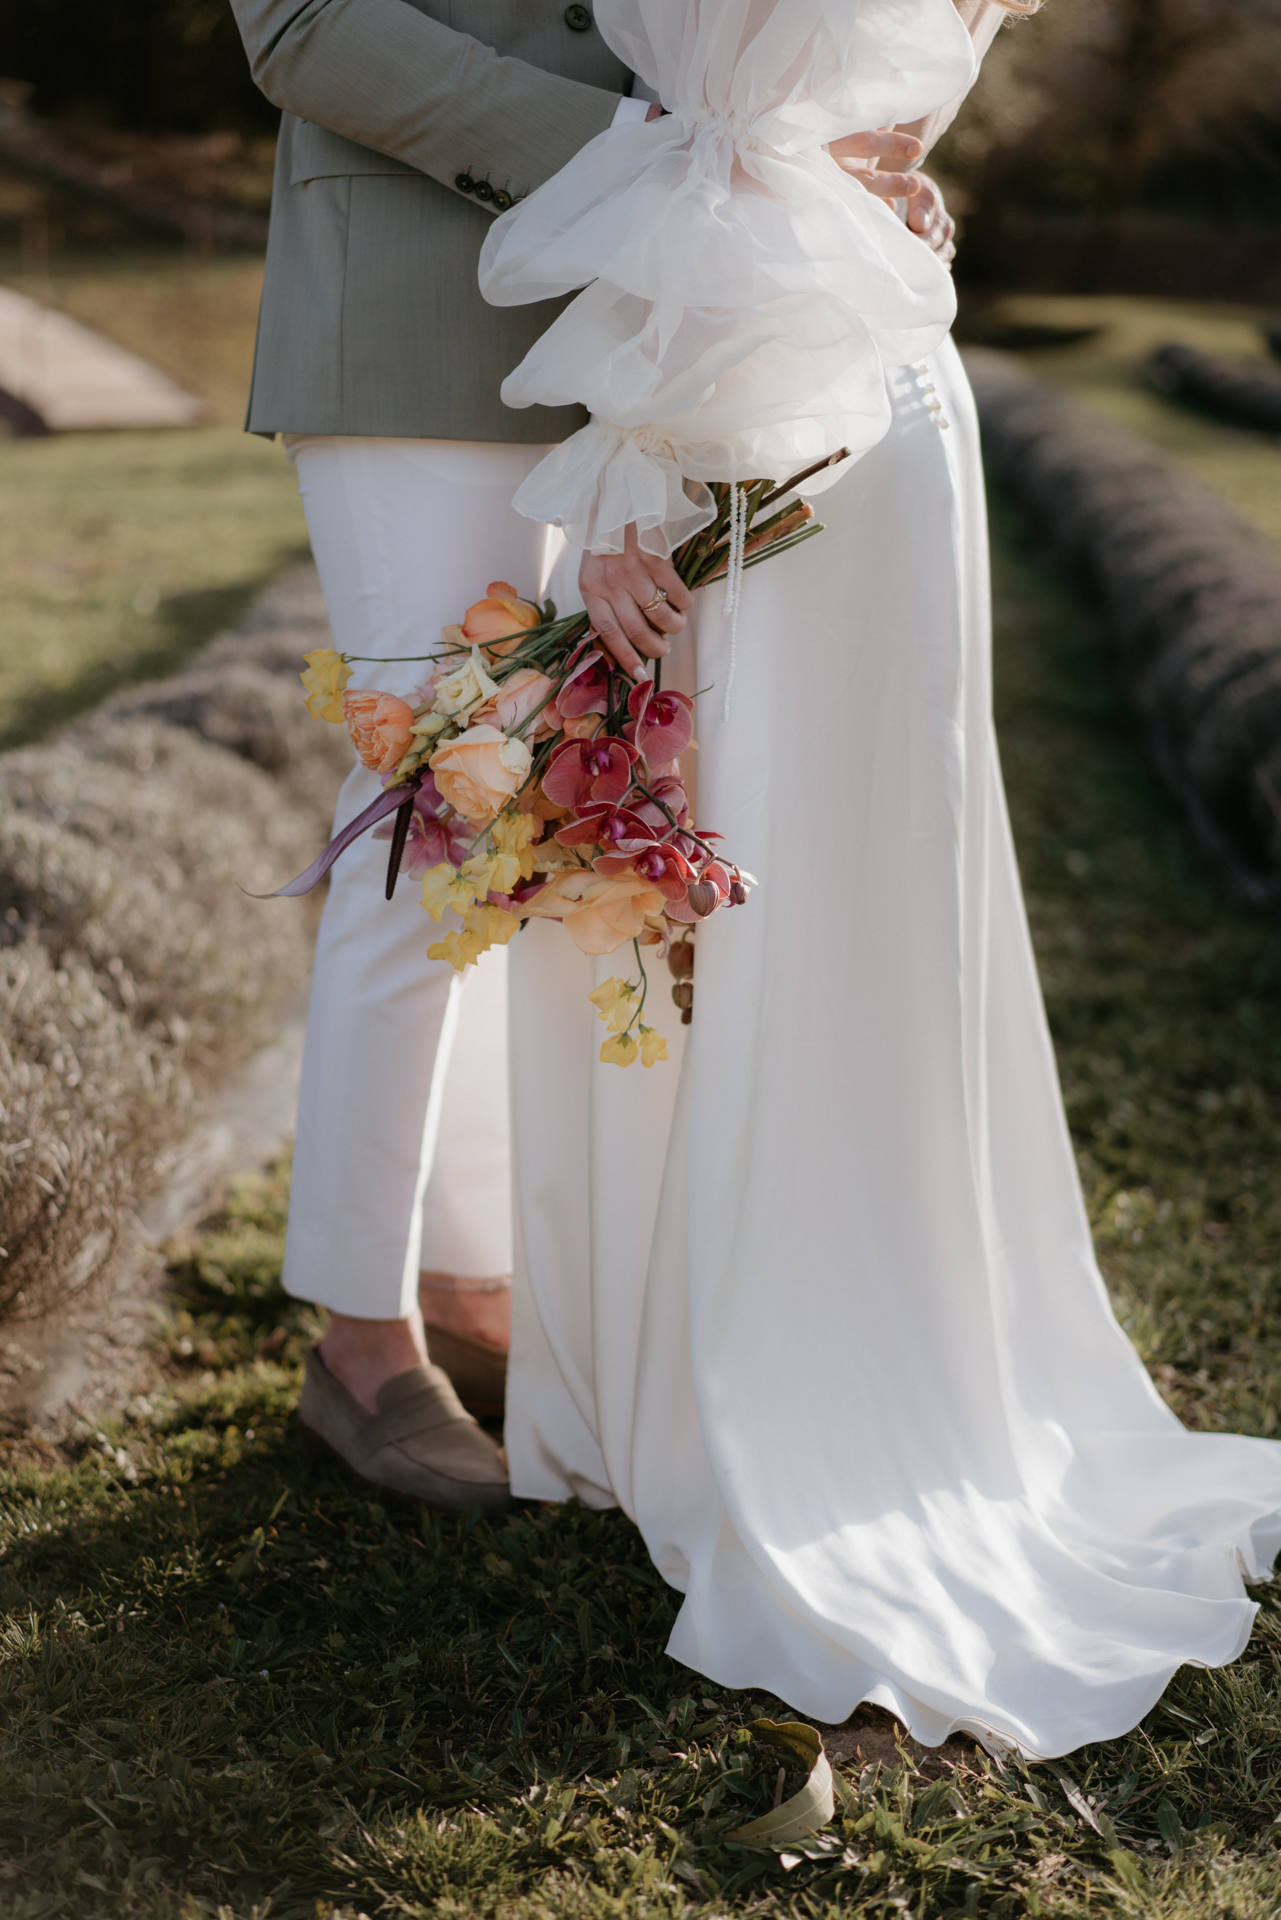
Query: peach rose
(480,771)
(517,697)
(503,616)
(584,726)
(380,725)
(599,912)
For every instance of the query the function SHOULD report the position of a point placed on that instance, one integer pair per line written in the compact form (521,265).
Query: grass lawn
(229,1679)
(1107,373)
(120,553)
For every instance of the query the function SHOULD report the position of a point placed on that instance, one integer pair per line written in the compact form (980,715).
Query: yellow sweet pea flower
(513,834)
(620,1051)
(617,1003)
(492,872)
(652,1046)
(326,676)
(490,925)
(442,888)
(460,949)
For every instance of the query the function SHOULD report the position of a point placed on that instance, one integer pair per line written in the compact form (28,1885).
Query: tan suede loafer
(420,1443)
(479,1373)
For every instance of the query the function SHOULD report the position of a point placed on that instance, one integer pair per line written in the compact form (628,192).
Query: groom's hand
(619,590)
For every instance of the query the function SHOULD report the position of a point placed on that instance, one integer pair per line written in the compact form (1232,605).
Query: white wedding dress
(815,1302)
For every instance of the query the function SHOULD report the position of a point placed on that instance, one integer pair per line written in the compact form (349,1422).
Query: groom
(407,125)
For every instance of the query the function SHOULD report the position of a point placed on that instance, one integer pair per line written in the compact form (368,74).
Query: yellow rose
(480,771)
(458,692)
(620,1051)
(326,676)
(600,912)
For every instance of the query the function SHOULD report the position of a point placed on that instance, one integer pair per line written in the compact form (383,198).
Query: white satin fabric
(401,1156)
(741,295)
(815,1302)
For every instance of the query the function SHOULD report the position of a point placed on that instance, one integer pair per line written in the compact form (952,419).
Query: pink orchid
(606,826)
(586,690)
(659,866)
(431,839)
(667,793)
(662,724)
(581,771)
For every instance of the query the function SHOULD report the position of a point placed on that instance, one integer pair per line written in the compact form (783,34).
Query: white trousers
(402,1152)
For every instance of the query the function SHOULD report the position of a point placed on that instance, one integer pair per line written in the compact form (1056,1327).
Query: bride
(816,1304)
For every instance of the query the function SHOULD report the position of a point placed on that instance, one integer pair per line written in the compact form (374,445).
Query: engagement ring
(660,595)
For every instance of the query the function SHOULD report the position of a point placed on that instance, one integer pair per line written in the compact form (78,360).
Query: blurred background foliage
(1096,111)
(158,66)
(1103,106)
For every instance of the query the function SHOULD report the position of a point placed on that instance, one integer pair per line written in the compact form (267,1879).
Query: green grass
(231,1681)
(120,553)
(1107,374)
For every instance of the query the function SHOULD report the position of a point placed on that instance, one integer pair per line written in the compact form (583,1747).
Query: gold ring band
(657,601)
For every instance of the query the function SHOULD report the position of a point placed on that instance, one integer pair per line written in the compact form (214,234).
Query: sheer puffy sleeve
(740,296)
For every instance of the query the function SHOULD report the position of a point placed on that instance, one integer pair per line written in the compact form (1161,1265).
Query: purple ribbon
(389,801)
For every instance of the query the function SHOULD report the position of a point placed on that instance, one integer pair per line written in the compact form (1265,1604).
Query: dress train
(815,1302)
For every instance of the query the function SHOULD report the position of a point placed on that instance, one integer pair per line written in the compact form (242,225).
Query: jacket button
(465,183)
(577,18)
(483,190)
(502,200)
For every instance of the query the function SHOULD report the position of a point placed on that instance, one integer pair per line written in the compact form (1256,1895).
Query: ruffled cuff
(603,477)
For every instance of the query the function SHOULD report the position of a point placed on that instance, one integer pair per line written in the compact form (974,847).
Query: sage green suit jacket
(407,124)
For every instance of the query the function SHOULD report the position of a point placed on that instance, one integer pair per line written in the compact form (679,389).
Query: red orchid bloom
(667,793)
(581,771)
(586,690)
(662,724)
(606,826)
(661,866)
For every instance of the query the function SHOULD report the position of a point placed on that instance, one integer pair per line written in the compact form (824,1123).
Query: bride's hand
(858,154)
(864,155)
(621,594)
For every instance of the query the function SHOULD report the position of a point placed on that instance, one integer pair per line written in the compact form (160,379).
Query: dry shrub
(87,1105)
(256,715)
(1192,596)
(130,846)
(131,949)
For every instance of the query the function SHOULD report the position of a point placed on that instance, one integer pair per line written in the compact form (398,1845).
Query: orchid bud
(703,897)
(683,994)
(680,958)
(738,893)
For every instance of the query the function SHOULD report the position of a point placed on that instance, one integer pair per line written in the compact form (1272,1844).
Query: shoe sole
(316,1443)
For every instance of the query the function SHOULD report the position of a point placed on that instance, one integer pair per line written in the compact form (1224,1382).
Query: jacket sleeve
(389,77)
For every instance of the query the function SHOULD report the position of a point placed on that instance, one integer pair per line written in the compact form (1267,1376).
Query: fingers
(611,635)
(621,593)
(928,216)
(886,186)
(883,144)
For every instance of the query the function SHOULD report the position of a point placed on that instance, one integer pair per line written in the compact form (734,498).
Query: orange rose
(380,726)
(480,771)
(599,912)
(503,616)
(517,697)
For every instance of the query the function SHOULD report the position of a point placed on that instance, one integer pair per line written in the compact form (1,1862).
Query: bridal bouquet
(531,778)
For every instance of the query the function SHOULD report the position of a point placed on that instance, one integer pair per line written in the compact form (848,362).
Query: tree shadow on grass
(180,626)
